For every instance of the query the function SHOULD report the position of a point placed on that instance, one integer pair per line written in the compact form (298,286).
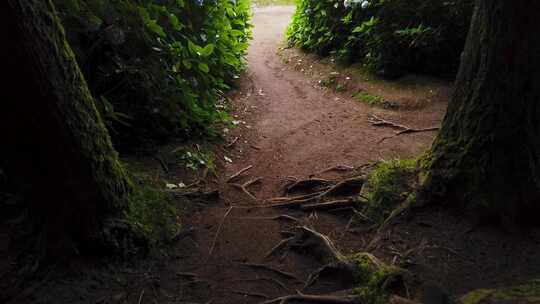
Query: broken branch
(239,173)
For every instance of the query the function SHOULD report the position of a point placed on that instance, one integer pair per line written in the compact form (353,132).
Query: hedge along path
(303,148)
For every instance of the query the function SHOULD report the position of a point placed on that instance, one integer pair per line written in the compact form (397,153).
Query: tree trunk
(54,143)
(487,155)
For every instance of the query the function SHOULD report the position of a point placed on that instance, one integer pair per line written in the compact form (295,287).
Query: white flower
(365,4)
(355,3)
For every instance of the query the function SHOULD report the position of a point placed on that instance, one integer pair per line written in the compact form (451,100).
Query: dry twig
(219,230)
(239,173)
(244,187)
(232,143)
(322,299)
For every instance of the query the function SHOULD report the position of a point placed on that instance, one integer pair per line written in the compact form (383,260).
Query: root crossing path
(288,128)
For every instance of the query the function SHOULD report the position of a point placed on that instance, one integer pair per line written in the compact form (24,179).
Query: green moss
(526,293)
(388,186)
(153,216)
(369,99)
(476,296)
(376,280)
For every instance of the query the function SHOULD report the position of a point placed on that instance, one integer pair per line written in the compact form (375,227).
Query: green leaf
(208,50)
(203,67)
(194,49)
(175,22)
(187,64)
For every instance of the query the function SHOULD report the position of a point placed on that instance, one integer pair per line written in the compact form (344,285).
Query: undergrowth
(157,69)
(196,158)
(388,37)
(369,99)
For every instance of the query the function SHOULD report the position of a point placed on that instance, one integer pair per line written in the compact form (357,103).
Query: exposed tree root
(271,280)
(338,168)
(282,217)
(308,241)
(379,122)
(410,131)
(312,184)
(202,196)
(330,205)
(321,247)
(346,187)
(237,174)
(323,299)
(284,243)
(294,198)
(251,294)
(285,274)
(244,187)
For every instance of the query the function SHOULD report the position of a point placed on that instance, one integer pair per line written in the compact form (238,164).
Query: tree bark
(54,143)
(487,155)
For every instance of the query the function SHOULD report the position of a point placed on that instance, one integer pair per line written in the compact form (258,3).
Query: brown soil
(293,123)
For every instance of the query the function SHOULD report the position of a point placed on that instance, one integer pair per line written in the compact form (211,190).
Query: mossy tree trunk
(54,143)
(487,155)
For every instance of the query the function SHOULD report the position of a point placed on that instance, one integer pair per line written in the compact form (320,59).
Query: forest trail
(287,127)
(297,115)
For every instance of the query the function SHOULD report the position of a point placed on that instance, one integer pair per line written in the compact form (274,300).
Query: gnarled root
(321,247)
(316,244)
(349,186)
(313,201)
(351,202)
(308,241)
(342,270)
(305,185)
(323,299)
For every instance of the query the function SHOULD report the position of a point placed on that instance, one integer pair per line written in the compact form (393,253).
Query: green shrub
(157,68)
(388,36)
(369,99)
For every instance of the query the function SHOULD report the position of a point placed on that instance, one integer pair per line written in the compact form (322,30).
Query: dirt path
(291,123)
(288,127)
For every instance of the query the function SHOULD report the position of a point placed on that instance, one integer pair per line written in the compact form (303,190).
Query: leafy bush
(388,36)
(157,68)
